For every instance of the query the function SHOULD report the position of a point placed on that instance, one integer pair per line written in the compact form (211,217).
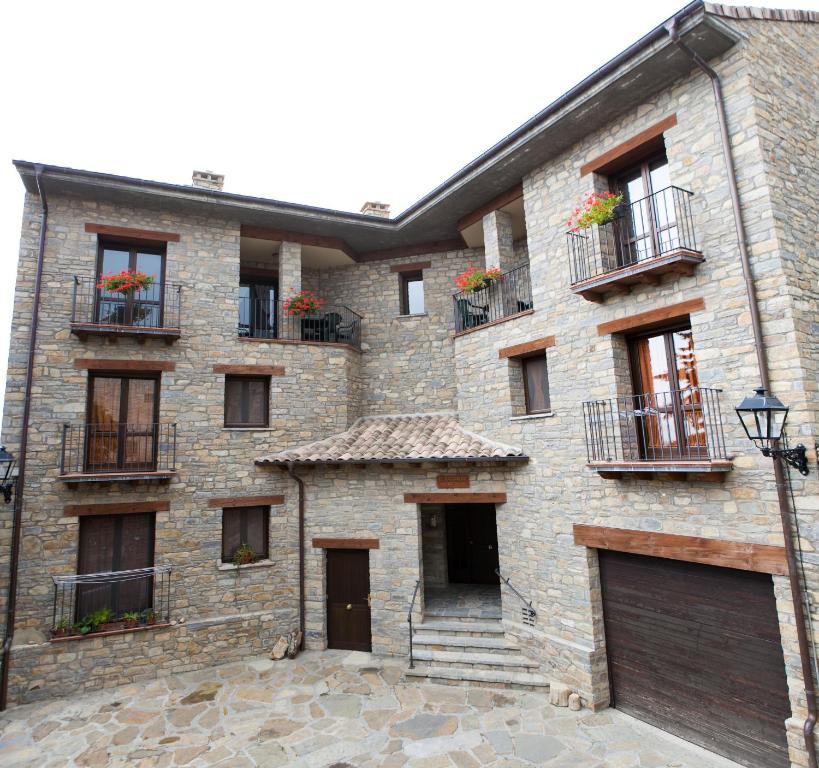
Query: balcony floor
(117,477)
(81,330)
(680,468)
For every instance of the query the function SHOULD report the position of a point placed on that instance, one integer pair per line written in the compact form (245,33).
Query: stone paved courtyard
(327,709)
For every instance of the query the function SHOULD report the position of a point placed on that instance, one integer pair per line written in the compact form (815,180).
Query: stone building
(395,447)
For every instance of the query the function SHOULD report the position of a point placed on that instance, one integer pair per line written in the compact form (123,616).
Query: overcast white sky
(326,103)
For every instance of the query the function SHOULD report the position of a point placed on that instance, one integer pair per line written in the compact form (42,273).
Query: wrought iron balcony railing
(507,296)
(647,229)
(153,311)
(268,319)
(679,425)
(104,602)
(99,449)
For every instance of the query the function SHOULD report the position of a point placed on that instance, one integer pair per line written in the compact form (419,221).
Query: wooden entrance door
(695,650)
(348,604)
(471,543)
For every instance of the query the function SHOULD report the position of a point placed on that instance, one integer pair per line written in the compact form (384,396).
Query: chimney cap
(208,180)
(376,208)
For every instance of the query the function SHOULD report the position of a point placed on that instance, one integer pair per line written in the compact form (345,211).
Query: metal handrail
(528,603)
(409,621)
(506,296)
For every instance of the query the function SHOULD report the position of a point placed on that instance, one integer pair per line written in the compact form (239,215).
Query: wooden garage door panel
(695,650)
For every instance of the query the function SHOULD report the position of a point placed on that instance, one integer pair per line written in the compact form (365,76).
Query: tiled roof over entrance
(384,439)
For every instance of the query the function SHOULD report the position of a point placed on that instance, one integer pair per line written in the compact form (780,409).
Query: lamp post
(763,418)
(7,478)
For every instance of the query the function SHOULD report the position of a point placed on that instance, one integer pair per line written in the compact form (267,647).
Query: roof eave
(426,460)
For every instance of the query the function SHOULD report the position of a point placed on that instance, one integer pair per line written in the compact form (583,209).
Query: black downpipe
(300,483)
(797,588)
(11,605)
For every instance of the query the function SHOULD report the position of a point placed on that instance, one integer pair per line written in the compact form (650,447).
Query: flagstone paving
(331,709)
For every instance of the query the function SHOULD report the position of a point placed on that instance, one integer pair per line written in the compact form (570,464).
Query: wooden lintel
(504,198)
(123,508)
(245,501)
(419,249)
(623,152)
(416,266)
(645,320)
(693,549)
(132,234)
(346,544)
(249,370)
(284,235)
(454,498)
(527,347)
(99,364)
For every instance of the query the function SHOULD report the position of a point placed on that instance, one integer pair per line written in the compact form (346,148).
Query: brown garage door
(695,650)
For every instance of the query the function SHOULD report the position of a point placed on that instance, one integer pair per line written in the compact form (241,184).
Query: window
(121,423)
(141,308)
(257,309)
(245,526)
(247,401)
(115,543)
(668,400)
(412,293)
(535,383)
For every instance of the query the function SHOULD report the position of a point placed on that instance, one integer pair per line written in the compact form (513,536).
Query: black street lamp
(763,418)
(7,478)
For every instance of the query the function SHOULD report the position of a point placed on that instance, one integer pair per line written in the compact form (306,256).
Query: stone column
(289,284)
(497,240)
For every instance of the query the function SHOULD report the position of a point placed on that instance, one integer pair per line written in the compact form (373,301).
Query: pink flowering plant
(597,208)
(474,278)
(126,282)
(303,303)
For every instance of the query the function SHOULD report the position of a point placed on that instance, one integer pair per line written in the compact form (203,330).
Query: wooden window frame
(155,248)
(122,423)
(524,360)
(243,513)
(405,278)
(244,403)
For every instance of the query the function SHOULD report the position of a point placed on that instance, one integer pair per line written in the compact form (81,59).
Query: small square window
(247,401)
(412,293)
(535,383)
(245,526)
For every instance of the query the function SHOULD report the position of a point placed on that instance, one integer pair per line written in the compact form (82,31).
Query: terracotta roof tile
(418,437)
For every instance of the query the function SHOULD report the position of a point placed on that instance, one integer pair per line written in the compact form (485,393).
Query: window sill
(231,567)
(530,416)
(410,317)
(92,635)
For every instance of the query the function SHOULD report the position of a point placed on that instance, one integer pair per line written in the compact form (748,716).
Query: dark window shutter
(536,384)
(247,401)
(245,525)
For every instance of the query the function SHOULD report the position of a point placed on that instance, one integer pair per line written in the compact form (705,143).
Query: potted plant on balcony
(244,555)
(475,278)
(596,208)
(130,620)
(150,616)
(303,303)
(62,628)
(127,282)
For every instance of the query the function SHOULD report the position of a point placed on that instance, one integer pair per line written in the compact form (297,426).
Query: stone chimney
(374,208)
(208,180)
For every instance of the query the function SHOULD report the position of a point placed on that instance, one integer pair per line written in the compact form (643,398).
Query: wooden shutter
(247,401)
(245,525)
(536,384)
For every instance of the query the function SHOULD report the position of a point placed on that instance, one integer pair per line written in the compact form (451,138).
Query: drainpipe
(797,589)
(11,606)
(300,483)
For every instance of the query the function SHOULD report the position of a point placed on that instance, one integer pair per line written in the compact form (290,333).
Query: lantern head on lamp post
(763,418)
(7,477)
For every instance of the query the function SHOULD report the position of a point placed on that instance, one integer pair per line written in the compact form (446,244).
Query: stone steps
(458,651)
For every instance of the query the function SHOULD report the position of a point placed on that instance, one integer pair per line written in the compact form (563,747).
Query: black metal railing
(510,294)
(269,319)
(157,307)
(679,425)
(409,621)
(528,612)
(105,602)
(89,449)
(640,231)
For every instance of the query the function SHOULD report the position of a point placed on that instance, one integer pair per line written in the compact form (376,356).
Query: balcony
(267,319)
(99,604)
(673,432)
(152,313)
(507,297)
(652,237)
(117,452)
